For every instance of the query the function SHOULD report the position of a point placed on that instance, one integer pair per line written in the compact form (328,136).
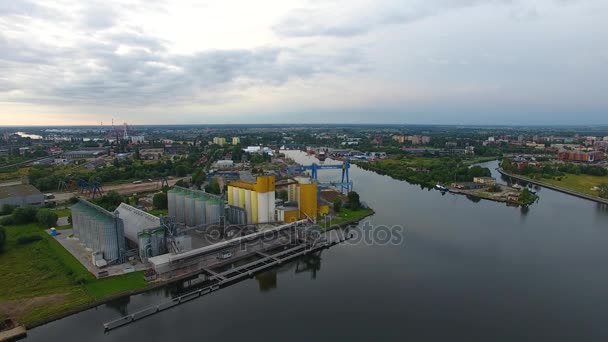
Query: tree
(46,218)
(354,202)
(181,170)
(110,201)
(283,195)
(160,201)
(337,205)
(604,190)
(2,239)
(214,187)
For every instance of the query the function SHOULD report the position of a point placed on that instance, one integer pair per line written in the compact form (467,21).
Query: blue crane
(314,168)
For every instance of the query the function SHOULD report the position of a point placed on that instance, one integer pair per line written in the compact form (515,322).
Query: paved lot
(83,254)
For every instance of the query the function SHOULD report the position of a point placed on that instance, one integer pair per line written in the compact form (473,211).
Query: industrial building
(258,199)
(305,194)
(101,231)
(20,195)
(85,154)
(143,231)
(194,207)
(580,156)
(485,180)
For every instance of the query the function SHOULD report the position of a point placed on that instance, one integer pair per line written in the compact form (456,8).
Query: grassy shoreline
(346,217)
(40,281)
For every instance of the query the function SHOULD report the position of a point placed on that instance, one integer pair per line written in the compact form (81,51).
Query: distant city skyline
(467,62)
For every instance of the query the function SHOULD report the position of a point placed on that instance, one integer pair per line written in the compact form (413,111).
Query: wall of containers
(99,230)
(194,207)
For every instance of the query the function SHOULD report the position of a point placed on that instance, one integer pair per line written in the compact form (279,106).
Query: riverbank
(346,217)
(428,171)
(40,281)
(553,187)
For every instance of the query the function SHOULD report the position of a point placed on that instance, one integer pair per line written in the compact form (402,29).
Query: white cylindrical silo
(271,206)
(171,201)
(262,207)
(199,210)
(248,205)
(179,207)
(189,210)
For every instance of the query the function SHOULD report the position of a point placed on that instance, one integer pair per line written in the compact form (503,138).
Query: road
(123,189)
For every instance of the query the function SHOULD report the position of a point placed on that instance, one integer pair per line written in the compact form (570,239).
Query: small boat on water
(441,187)
(516,186)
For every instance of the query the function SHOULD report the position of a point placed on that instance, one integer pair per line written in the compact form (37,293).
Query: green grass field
(42,279)
(63,212)
(580,183)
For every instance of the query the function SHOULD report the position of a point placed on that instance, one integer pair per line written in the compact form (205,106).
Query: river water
(465,271)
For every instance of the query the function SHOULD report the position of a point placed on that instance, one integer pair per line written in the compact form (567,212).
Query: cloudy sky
(296,61)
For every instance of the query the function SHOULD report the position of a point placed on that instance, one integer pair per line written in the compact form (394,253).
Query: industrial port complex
(200,231)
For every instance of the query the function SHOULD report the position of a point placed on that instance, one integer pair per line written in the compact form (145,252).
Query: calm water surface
(466,271)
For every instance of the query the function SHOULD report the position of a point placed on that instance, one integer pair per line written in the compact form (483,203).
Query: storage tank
(180,206)
(212,214)
(230,195)
(189,210)
(271,206)
(171,201)
(248,205)
(308,201)
(254,207)
(199,210)
(242,198)
(262,207)
(235,196)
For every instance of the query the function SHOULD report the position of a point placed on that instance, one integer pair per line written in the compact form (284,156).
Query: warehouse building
(101,231)
(20,195)
(143,231)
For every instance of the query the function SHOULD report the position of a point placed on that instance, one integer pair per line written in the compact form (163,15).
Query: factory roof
(18,190)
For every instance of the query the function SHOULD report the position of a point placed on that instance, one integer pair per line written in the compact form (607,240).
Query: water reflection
(120,305)
(601,209)
(310,263)
(267,280)
(473,199)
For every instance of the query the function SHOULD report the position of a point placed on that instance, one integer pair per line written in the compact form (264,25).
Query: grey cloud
(24,8)
(312,22)
(94,74)
(98,17)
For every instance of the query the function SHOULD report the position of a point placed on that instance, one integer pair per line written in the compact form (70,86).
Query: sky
(65,62)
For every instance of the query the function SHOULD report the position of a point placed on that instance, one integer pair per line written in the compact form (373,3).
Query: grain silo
(199,210)
(195,207)
(256,198)
(189,215)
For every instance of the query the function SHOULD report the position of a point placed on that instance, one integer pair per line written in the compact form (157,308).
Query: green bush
(24,240)
(8,209)
(7,221)
(2,238)
(338,205)
(24,215)
(159,201)
(46,218)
